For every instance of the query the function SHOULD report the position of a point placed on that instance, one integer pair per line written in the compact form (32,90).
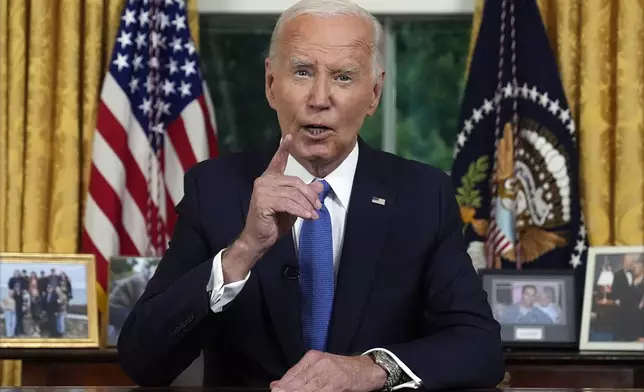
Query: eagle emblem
(532,197)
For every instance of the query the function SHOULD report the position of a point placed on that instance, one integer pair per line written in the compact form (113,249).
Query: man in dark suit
(623,299)
(52,307)
(329,266)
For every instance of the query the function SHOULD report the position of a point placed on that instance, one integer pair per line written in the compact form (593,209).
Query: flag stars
(534,94)
(176,45)
(168,87)
(138,62)
(544,100)
(554,107)
(581,246)
(507,91)
(121,61)
(477,115)
(146,106)
(149,84)
(190,46)
(487,106)
(165,20)
(129,17)
(168,3)
(172,66)
(158,128)
(189,68)
(157,40)
(144,18)
(162,106)
(140,40)
(564,115)
(154,62)
(179,22)
(181,3)
(575,261)
(461,139)
(134,85)
(468,126)
(125,39)
(525,91)
(185,89)
(571,127)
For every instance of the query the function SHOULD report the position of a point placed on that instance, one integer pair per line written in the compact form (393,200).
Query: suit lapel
(365,232)
(282,295)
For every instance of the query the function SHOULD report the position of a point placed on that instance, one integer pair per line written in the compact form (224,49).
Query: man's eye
(301,73)
(344,78)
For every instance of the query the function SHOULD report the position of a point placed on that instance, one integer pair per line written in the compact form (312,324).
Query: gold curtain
(599,47)
(53,57)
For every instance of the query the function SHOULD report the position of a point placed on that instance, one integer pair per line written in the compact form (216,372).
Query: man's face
(528,297)
(629,260)
(544,298)
(321,84)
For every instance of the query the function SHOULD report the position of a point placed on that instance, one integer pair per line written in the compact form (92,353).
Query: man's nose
(320,94)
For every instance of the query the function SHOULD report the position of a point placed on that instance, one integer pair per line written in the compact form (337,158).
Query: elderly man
(322,264)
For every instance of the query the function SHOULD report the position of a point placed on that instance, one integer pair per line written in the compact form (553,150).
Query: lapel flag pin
(378,200)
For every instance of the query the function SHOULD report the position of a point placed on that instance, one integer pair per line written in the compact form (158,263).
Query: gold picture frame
(57,309)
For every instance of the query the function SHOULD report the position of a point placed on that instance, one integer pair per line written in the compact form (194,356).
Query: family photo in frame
(534,308)
(613,307)
(48,300)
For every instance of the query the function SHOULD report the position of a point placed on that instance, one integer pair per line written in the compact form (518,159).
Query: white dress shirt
(337,202)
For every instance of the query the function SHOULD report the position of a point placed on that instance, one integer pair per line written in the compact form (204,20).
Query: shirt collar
(340,180)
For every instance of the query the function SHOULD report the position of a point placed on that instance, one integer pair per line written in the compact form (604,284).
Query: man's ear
(268,81)
(377,93)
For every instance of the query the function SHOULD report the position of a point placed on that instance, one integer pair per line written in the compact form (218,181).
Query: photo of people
(529,302)
(128,278)
(617,309)
(43,300)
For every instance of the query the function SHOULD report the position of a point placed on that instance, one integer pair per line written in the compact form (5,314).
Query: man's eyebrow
(346,68)
(298,62)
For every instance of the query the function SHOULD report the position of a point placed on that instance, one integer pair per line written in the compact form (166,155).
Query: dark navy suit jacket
(405,283)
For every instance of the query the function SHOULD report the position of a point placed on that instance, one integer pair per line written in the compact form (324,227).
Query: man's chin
(312,153)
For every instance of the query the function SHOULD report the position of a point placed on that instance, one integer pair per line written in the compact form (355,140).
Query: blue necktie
(316,276)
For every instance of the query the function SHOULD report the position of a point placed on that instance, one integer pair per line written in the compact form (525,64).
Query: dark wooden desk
(571,369)
(527,369)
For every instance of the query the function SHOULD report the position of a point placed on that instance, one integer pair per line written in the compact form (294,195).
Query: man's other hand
(319,371)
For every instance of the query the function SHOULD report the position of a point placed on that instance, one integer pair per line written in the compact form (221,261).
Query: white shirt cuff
(415,382)
(221,295)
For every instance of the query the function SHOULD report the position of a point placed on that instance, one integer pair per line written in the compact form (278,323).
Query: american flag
(155,120)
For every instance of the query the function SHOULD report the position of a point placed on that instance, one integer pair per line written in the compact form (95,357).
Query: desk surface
(511,356)
(198,389)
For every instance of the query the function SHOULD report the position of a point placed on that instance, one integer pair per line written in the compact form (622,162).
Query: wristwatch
(394,372)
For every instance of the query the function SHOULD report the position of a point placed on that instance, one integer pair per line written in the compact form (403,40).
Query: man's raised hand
(276,202)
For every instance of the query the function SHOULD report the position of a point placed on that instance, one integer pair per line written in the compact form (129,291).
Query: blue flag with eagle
(516,168)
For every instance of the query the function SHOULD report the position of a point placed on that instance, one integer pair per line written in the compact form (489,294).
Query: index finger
(278,163)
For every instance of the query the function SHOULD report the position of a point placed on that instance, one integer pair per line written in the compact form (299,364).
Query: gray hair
(331,8)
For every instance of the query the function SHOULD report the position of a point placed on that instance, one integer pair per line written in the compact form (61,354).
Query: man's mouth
(316,129)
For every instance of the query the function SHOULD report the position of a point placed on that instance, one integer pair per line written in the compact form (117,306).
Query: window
(418,114)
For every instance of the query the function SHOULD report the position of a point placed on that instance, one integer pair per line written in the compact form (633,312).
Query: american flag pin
(378,200)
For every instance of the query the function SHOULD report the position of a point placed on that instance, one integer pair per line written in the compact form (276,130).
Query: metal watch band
(394,372)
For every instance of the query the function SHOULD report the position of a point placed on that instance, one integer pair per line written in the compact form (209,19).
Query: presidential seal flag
(515,167)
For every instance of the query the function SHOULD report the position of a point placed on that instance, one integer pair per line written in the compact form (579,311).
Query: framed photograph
(129,275)
(613,310)
(534,308)
(48,300)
